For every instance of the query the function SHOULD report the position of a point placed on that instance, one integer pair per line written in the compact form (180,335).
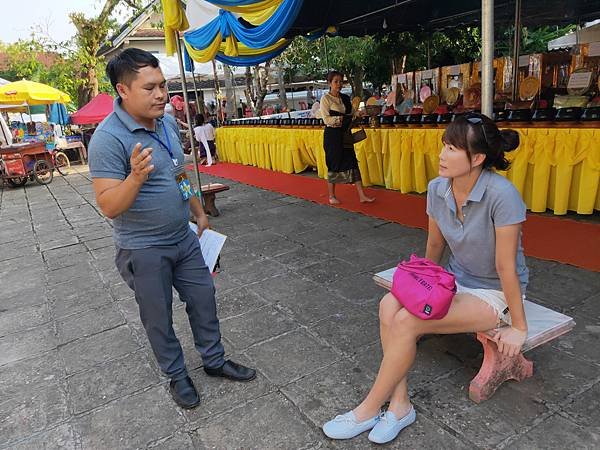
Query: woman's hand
(510,340)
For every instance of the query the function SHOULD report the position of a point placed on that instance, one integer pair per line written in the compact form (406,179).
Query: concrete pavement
(296,301)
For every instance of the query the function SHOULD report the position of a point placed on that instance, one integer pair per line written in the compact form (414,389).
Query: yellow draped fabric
(174,21)
(553,168)
(231,47)
(256,13)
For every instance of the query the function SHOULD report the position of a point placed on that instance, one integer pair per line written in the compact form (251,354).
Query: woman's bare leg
(467,314)
(388,307)
(361,193)
(331,191)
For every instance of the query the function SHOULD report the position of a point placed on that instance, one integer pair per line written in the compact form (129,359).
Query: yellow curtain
(553,168)
(174,21)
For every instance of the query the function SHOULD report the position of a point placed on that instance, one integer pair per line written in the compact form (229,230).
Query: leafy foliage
(92,33)
(75,67)
(533,40)
(35,60)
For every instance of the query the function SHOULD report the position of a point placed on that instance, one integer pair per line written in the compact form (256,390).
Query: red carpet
(554,238)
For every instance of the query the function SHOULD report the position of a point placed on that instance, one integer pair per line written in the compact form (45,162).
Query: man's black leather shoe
(233,371)
(184,393)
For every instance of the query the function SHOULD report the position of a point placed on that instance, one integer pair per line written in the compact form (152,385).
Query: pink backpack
(424,288)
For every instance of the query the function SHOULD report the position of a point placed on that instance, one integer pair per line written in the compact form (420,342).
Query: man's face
(145,95)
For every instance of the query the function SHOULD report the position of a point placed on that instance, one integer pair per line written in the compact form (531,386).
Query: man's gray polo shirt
(493,202)
(159,215)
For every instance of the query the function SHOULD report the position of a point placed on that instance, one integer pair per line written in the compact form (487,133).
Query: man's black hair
(124,67)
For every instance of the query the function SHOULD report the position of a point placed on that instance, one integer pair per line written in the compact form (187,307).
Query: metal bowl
(429,118)
(591,113)
(567,114)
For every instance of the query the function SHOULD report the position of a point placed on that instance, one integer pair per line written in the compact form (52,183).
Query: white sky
(19,16)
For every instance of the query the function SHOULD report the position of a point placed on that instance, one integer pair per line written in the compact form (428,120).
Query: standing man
(136,163)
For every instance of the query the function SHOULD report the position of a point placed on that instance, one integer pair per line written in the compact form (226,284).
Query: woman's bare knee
(405,324)
(388,307)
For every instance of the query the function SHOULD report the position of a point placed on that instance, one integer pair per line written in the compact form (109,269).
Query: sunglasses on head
(472,118)
(476,120)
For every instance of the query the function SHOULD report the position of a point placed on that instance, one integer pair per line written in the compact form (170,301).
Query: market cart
(22,162)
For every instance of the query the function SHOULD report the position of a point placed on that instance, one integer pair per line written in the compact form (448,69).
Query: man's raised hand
(140,163)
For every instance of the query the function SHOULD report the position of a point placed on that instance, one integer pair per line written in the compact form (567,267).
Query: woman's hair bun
(510,140)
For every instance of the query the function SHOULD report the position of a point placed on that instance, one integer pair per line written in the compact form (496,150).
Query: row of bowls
(275,122)
(515,115)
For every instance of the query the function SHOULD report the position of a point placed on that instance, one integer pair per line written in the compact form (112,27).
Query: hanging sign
(594,49)
(580,80)
(523,60)
(454,70)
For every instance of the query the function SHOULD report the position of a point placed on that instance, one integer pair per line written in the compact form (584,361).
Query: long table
(553,168)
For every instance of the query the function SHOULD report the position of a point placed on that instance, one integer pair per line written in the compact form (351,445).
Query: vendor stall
(95,111)
(30,151)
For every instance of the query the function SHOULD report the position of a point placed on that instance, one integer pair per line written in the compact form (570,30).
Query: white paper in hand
(211,244)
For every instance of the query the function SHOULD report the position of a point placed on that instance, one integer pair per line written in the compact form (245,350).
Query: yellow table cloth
(553,168)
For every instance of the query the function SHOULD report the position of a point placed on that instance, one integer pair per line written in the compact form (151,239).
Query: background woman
(478,215)
(342,166)
(205,136)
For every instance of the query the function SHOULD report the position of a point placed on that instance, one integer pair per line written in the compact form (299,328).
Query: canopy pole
(217,92)
(200,104)
(516,51)
(196,94)
(487,57)
(187,114)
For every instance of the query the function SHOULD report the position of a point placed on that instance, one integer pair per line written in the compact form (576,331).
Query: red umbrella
(95,111)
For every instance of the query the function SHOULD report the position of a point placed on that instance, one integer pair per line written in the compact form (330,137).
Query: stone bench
(209,192)
(544,325)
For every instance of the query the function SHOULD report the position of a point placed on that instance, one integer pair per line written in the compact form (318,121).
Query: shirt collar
(480,186)
(129,121)
(444,189)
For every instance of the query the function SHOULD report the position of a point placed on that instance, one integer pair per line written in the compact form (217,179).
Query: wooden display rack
(431,77)
(461,73)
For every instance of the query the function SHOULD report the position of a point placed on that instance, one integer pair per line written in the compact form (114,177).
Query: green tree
(303,57)
(92,33)
(36,60)
(78,70)
(533,40)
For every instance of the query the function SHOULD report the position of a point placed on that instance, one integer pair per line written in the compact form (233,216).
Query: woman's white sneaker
(389,426)
(346,426)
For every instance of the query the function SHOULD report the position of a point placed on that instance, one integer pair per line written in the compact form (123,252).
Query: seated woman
(478,214)
(205,136)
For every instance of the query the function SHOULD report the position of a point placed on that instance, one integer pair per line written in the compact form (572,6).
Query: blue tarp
(58,114)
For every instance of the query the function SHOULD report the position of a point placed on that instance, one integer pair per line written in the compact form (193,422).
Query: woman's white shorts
(492,297)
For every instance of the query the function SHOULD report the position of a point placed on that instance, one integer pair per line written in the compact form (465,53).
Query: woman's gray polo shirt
(159,215)
(493,202)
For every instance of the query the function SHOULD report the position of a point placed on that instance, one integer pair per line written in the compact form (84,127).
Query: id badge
(183,183)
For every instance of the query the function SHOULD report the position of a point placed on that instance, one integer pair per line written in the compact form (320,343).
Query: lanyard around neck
(154,135)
